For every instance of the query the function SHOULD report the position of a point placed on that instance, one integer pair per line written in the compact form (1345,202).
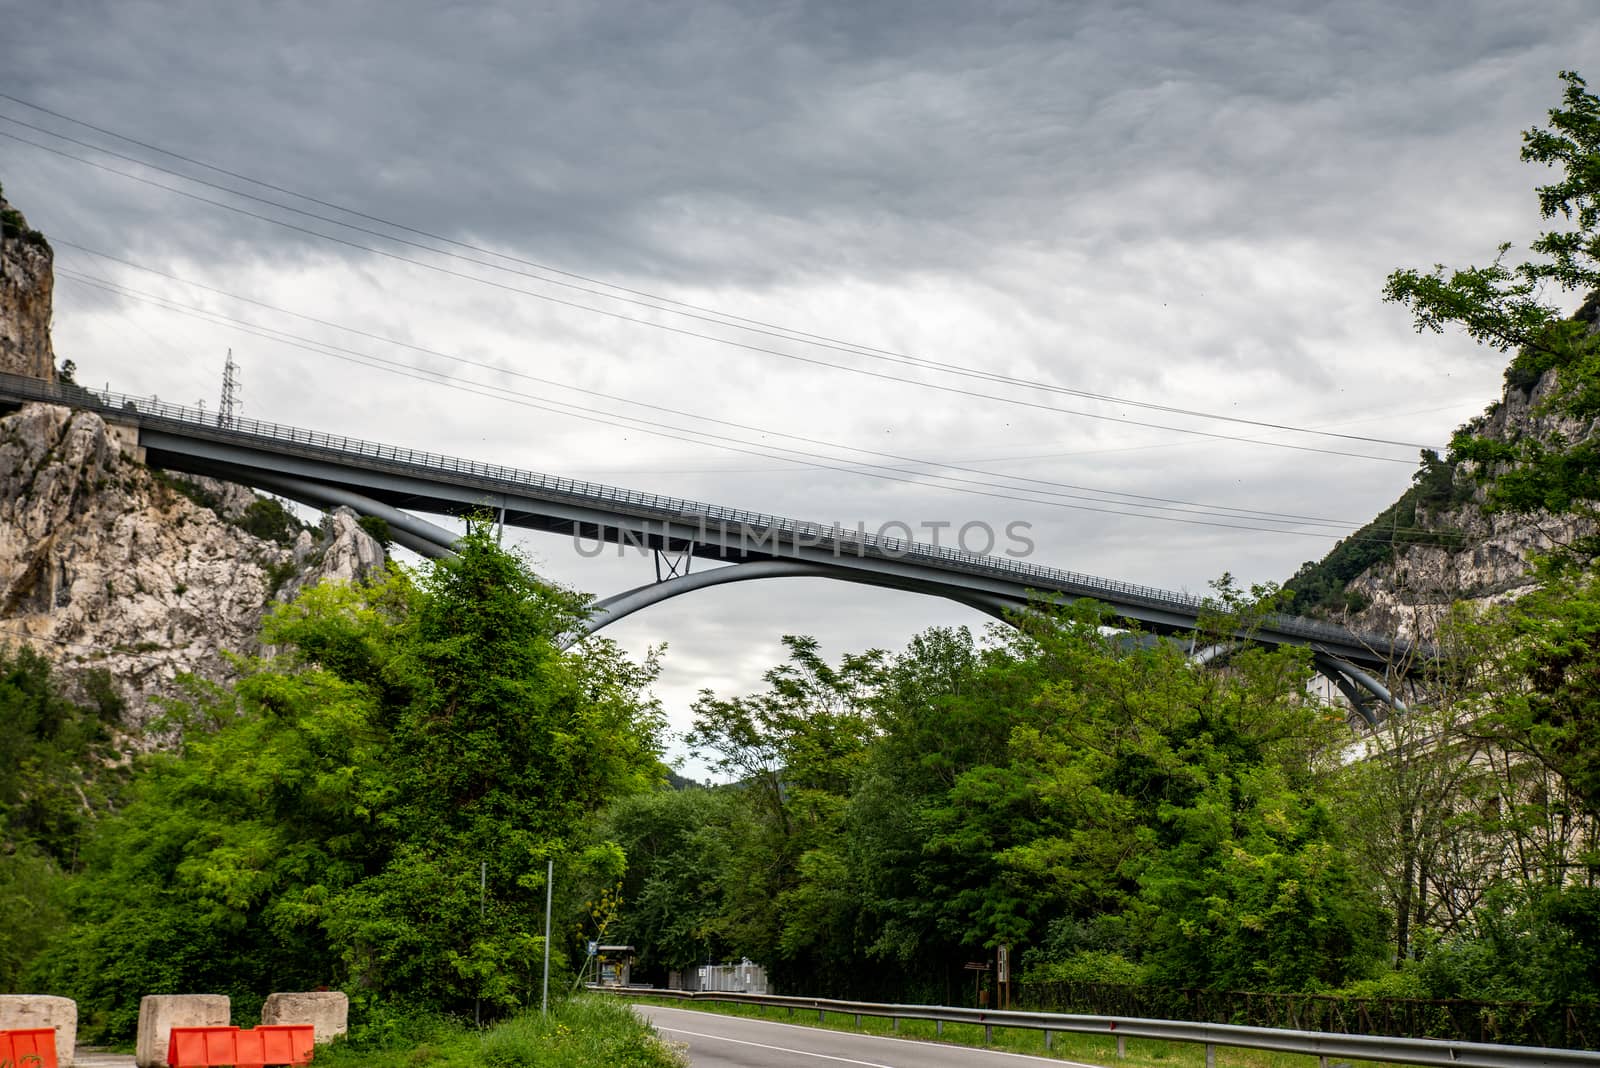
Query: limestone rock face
(27,284)
(104,563)
(345,554)
(1411,594)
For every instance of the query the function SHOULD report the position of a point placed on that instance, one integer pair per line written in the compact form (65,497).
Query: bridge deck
(256,452)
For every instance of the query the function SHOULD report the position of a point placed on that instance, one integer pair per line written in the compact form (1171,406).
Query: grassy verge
(1091,1049)
(586,1032)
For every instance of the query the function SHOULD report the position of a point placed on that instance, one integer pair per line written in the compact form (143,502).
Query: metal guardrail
(1325,1045)
(158,414)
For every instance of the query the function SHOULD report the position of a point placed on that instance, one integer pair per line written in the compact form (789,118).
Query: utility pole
(229,409)
(549,887)
(483,892)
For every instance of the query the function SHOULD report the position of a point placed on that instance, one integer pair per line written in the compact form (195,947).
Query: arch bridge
(330,470)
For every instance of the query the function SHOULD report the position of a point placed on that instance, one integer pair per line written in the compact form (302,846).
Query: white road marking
(775,1049)
(1057,1061)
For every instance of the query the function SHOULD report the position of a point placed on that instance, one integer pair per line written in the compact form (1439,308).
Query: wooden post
(988,1034)
(1211,1056)
(1049,1036)
(1122,1046)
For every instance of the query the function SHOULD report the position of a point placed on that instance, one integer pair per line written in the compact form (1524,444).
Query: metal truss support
(672,565)
(1211,654)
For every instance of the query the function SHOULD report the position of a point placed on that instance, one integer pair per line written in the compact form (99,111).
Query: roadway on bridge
(717,1041)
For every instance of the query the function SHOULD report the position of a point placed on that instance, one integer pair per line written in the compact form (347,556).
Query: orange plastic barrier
(202,1047)
(30,1047)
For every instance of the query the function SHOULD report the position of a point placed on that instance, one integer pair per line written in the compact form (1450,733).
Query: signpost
(1002,976)
(978,967)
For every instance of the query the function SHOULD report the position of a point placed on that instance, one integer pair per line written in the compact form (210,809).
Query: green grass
(1093,1049)
(586,1032)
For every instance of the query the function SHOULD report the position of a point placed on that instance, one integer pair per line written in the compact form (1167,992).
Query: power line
(916,461)
(745,346)
(720,317)
(636,424)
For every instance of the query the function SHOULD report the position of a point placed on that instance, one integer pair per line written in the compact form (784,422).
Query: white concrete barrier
(160,1013)
(326,1010)
(21,1012)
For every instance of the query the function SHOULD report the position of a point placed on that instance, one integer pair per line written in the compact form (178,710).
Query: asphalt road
(717,1041)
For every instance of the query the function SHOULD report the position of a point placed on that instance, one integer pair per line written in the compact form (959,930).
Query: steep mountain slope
(1438,544)
(107,564)
(123,576)
(27,285)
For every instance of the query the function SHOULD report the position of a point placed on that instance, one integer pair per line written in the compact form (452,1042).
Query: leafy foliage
(1506,308)
(327,821)
(269,520)
(57,774)
(579,1033)
(265,517)
(14,227)
(902,815)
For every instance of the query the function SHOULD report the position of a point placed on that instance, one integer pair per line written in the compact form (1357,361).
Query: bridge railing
(155,411)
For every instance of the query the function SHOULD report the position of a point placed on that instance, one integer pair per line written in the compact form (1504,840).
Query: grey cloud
(763,141)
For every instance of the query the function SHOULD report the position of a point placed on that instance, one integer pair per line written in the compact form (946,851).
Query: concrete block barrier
(327,1011)
(20,1012)
(160,1013)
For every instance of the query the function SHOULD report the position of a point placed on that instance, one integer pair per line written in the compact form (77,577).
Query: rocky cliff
(124,576)
(1438,544)
(107,564)
(27,286)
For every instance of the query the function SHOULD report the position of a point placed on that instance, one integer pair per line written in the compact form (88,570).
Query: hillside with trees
(1522,481)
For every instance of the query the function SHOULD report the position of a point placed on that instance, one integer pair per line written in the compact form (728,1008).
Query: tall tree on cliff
(1513,308)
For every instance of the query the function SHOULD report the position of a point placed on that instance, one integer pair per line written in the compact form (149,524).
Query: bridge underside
(1369,698)
(590,524)
(308,482)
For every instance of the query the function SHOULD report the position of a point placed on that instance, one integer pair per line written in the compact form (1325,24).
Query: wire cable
(911,460)
(678,433)
(711,337)
(720,317)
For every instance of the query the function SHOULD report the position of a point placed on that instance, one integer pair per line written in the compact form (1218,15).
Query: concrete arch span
(1365,693)
(622,605)
(1368,696)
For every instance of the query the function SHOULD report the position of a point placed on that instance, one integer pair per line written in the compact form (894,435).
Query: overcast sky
(1188,204)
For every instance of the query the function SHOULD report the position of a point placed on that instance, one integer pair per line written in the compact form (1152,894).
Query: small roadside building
(615,965)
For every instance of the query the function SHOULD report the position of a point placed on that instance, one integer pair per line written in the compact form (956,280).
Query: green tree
(327,819)
(794,750)
(59,772)
(1509,308)
(678,845)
